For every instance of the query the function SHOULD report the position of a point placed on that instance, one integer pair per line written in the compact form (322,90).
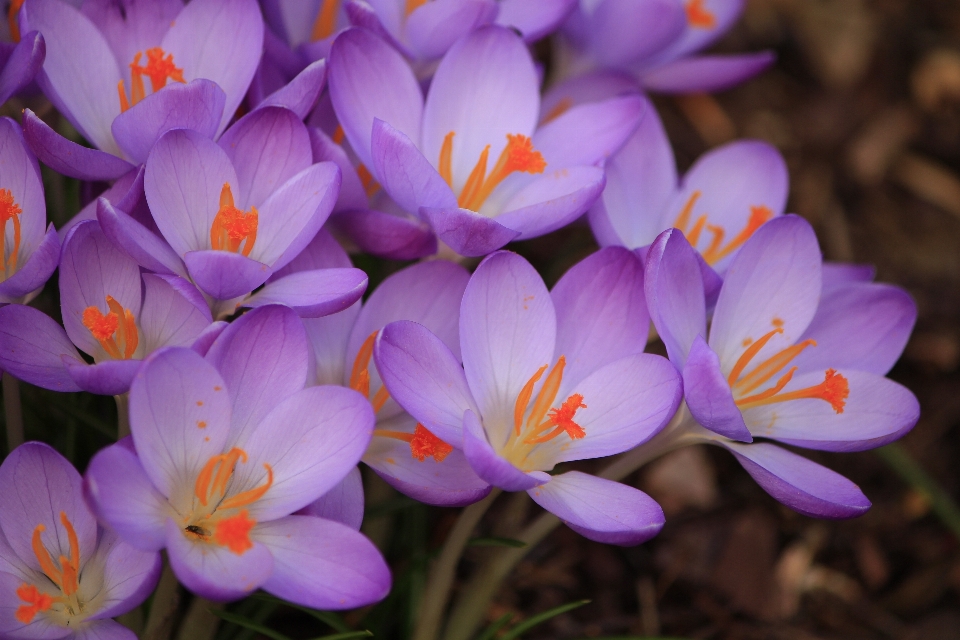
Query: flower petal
(590,133)
(169,318)
(343,503)
(144,246)
(313,293)
(38,268)
(129,574)
(404,172)
(107,378)
(534,21)
(300,95)
(385,235)
(22,65)
(70,158)
(709,396)
(433,27)
(489,465)
(706,74)
(468,233)
(626,31)
(223,275)
(32,346)
(552,201)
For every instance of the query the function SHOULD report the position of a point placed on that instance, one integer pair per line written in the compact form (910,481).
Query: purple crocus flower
(98,62)
(547,377)
(223,450)
(110,312)
(62,575)
(483,103)
(30,254)
(657,41)
(19,62)
(785,359)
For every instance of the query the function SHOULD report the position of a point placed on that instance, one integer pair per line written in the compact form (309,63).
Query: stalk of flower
(218,463)
(470,161)
(110,311)
(61,574)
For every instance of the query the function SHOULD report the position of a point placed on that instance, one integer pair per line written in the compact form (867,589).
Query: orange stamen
(159,69)
(116,331)
(36,602)
(338,135)
(10,210)
(234,533)
(251,495)
(694,236)
(43,557)
(424,444)
(769,367)
(558,110)
(71,566)
(370,185)
(380,398)
(12,19)
(548,393)
(715,253)
(683,219)
(699,16)
(752,350)
(413,5)
(517,155)
(524,398)
(445,165)
(359,375)
(563,417)
(326,21)
(232,227)
(213,478)
(835,389)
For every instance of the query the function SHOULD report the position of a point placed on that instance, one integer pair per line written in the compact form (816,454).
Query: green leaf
(490,632)
(333,620)
(530,623)
(496,542)
(346,636)
(248,624)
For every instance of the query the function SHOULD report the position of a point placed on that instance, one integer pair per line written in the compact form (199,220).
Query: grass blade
(331,619)
(248,624)
(530,623)
(490,632)
(913,474)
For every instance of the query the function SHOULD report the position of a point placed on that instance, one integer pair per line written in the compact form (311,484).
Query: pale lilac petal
(699,74)
(323,252)
(323,564)
(207,337)
(123,497)
(724,14)
(22,65)
(802,485)
(169,318)
(773,283)
(369,79)
(343,503)
(70,158)
(103,630)
(468,233)
(433,27)
(197,106)
(149,250)
(709,396)
(328,337)
(836,274)
(385,235)
(130,27)
(534,20)
(179,416)
(223,275)
(300,95)
(36,271)
(622,32)
(215,572)
(590,133)
(404,172)
(507,332)
(500,98)
(384,19)
(552,201)
(313,293)
(599,509)
(352,193)
(591,87)
(489,465)
(107,378)
(425,378)
(32,346)
(674,291)
(115,193)
(220,40)
(129,574)
(292,21)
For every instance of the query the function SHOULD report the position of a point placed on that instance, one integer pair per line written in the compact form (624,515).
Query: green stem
(200,623)
(435,596)
(12,411)
(163,608)
(123,415)
(914,475)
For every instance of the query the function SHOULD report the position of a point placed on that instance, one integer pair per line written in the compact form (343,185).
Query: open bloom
(61,574)
(217,463)
(785,359)
(110,312)
(470,160)
(547,377)
(657,41)
(30,254)
(109,67)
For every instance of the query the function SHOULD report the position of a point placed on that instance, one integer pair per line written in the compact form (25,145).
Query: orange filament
(523,399)
(233,227)
(66,576)
(338,135)
(119,338)
(769,367)
(326,21)
(699,16)
(360,374)
(517,155)
(12,19)
(234,533)
(413,5)
(422,443)
(159,69)
(541,427)
(370,185)
(10,210)
(558,110)
(683,219)
(835,389)
(36,602)
(715,252)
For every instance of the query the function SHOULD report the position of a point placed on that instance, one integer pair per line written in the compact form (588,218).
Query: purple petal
(387,236)
(31,348)
(124,498)
(802,485)
(404,172)
(601,510)
(328,337)
(22,65)
(369,79)
(323,252)
(466,232)
(424,377)
(115,193)
(626,31)
(223,275)
(197,106)
(352,193)
(552,201)
(836,274)
(207,337)
(129,27)
(107,378)
(432,28)
(174,313)
(723,15)
(489,465)
(343,503)
(534,20)
(141,244)
(323,564)
(313,293)
(300,95)
(70,158)
(179,417)
(35,272)
(103,630)
(709,396)
(590,133)
(706,74)
(591,87)
(129,573)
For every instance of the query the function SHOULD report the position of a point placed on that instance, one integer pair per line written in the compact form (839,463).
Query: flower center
(232,227)
(834,389)
(159,69)
(699,16)
(518,156)
(12,19)
(215,518)
(9,210)
(65,574)
(544,422)
(717,251)
(423,443)
(116,331)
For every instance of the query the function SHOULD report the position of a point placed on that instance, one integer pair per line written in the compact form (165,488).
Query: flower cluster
(244,145)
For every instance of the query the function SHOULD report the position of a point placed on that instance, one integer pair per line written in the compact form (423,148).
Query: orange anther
(445,165)
(116,331)
(835,389)
(424,444)
(699,16)
(10,210)
(101,326)
(159,69)
(232,227)
(359,375)
(413,5)
(36,602)
(234,533)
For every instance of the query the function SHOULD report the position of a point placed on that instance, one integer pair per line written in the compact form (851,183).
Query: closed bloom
(61,574)
(785,359)
(218,463)
(547,377)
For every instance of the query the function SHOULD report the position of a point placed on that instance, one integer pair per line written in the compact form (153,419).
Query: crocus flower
(30,255)
(785,359)
(403,452)
(547,377)
(209,199)
(61,574)
(657,41)
(99,60)
(219,458)
(110,312)
(19,62)
(432,158)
